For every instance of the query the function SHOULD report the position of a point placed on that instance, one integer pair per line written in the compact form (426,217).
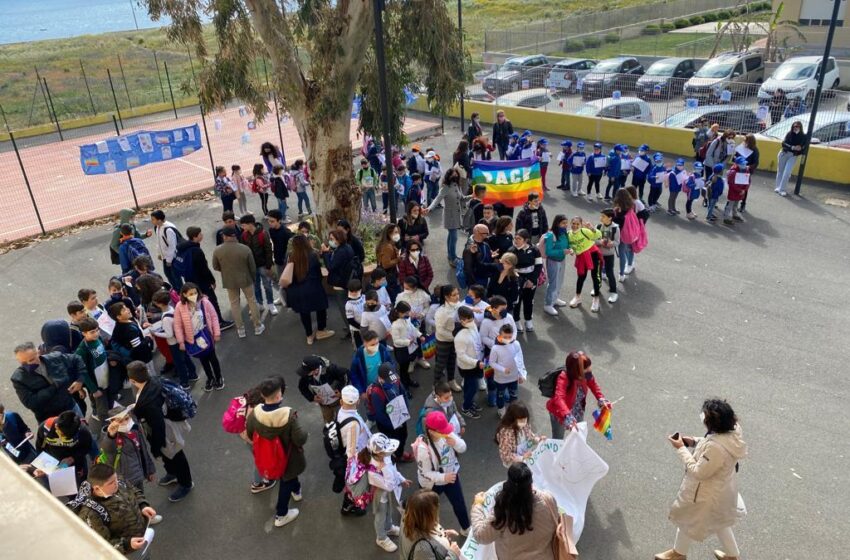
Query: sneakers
(671,212)
(423,363)
(519,327)
(167,480)
(272,308)
(728,221)
(594,307)
(470,413)
(783,194)
(321,335)
(629,268)
(455,387)
(692,216)
(310,339)
(501,412)
(180,493)
(560,303)
(464,532)
(589,198)
(386,543)
(622,278)
(186,387)
(529,326)
(575,302)
(297,496)
(550,310)
(278,301)
(670,555)
(738,218)
(394,531)
(354,511)
(241,332)
(218,386)
(286,519)
(224,325)
(482,384)
(720,555)
(263,486)
(259,330)
(613,298)
(598,196)
(208,386)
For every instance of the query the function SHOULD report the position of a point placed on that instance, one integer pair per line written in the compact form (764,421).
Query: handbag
(203,342)
(563,546)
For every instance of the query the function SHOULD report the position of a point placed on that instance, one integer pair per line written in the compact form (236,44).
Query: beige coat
(708,497)
(531,545)
(236,264)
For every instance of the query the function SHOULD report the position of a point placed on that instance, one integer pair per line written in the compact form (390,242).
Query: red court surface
(65,196)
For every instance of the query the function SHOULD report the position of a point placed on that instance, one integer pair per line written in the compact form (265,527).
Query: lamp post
(378,6)
(460,31)
(813,115)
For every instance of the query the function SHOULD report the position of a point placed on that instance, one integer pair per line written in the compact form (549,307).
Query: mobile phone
(675,436)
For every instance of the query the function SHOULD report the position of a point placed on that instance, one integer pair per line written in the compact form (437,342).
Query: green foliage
(681,23)
(723,15)
(592,42)
(697,20)
(573,45)
(710,16)
(612,38)
(667,26)
(651,29)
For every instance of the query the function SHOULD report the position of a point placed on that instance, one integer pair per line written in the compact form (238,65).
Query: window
(629,110)
(805,22)
(830,65)
(739,69)
(589,64)
(831,132)
(753,63)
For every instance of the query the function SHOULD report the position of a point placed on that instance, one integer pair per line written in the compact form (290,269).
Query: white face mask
(702,417)
(127,426)
(414,254)
(445,404)
(371,351)
(521,423)
(193,297)
(395,237)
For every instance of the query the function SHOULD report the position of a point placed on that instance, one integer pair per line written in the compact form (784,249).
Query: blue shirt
(372,365)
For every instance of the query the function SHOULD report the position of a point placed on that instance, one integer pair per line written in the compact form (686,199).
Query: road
(754,313)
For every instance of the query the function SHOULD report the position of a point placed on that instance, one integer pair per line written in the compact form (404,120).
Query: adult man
(238,270)
(149,411)
(167,238)
(45,384)
(255,238)
(478,257)
(367,179)
(320,382)
(280,235)
(192,263)
(502,130)
(271,420)
(116,511)
(355,435)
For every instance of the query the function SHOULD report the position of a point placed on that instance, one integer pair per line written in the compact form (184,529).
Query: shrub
(734,12)
(592,42)
(667,26)
(697,20)
(573,45)
(681,23)
(723,14)
(709,17)
(651,29)
(612,38)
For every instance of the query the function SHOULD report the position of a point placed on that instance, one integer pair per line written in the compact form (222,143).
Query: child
(76,313)
(418,299)
(242,186)
(128,338)
(625,168)
(469,353)
(738,179)
(675,179)
(225,188)
(693,188)
(475,301)
(379,285)
(14,431)
(415,192)
(595,167)
(124,447)
(527,146)
(406,340)
(305,228)
(640,169)
(614,168)
(564,163)
(375,316)
(714,190)
(583,236)
(441,400)
(354,310)
(433,172)
(197,331)
(508,367)
(514,436)
(96,311)
(513,151)
(386,483)
(489,217)
(544,155)
(576,162)
(117,291)
(657,174)
(302,183)
(164,329)
(609,244)
(280,187)
(387,406)
(431,314)
(96,374)
(495,317)
(260,185)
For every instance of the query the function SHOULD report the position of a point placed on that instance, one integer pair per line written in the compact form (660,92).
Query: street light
(378,6)
(813,115)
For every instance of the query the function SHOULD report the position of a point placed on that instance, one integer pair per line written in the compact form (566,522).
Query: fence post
(27,181)
(158,75)
(5,122)
(43,95)
(207,137)
(114,97)
(192,66)
(129,176)
(170,91)
(124,79)
(52,108)
(86,81)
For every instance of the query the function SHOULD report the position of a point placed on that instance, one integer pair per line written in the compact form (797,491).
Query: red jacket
(561,404)
(735,192)
(423,271)
(183,331)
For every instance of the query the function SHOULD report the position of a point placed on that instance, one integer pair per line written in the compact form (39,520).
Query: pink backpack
(175,297)
(234,417)
(634,232)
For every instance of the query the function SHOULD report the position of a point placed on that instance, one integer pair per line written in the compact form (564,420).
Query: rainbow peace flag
(508,182)
(602,422)
(429,347)
(488,369)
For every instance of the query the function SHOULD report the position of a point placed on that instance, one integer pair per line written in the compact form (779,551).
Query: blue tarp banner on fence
(120,153)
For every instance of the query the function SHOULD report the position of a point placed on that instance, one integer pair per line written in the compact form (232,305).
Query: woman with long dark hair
(461,157)
(302,280)
(566,407)
(413,226)
(272,155)
(557,245)
(523,521)
(388,255)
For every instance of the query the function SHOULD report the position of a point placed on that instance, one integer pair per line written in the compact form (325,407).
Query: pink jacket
(183,330)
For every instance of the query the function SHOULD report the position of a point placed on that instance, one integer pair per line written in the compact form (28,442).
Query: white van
(798,78)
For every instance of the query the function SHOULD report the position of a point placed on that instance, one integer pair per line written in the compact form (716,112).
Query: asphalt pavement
(755,313)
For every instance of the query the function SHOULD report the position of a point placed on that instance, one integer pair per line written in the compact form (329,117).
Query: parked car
(610,75)
(565,75)
(665,78)
(477,93)
(831,129)
(736,72)
(529,98)
(798,78)
(625,108)
(521,72)
(739,118)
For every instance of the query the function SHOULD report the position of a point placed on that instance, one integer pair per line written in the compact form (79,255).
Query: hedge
(667,26)
(697,20)
(573,45)
(612,38)
(723,14)
(651,29)
(592,42)
(709,17)
(681,23)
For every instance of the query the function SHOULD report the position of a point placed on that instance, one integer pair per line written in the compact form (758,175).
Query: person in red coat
(414,263)
(566,407)
(738,181)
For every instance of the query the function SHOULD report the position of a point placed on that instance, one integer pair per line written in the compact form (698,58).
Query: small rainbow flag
(508,182)
(488,369)
(429,347)
(602,422)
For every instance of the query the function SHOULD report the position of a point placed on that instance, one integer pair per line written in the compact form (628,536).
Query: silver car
(565,75)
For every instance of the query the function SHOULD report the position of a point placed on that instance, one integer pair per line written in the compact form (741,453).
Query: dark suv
(742,120)
(521,72)
(665,78)
(610,75)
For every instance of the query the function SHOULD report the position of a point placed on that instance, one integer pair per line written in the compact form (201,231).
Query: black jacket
(129,341)
(524,220)
(149,411)
(280,241)
(45,391)
(794,139)
(479,266)
(473,132)
(339,265)
(77,447)
(333,375)
(357,245)
(502,133)
(201,273)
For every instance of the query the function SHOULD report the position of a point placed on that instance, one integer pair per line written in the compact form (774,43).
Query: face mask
(414,254)
(408,291)
(445,404)
(127,426)
(372,350)
(192,297)
(372,306)
(469,300)
(521,423)
(562,230)
(395,237)
(31,367)
(641,152)
(680,167)
(702,417)
(332,244)
(503,313)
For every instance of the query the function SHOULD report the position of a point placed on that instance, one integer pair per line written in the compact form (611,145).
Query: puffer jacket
(280,422)
(117,518)
(45,390)
(61,448)
(128,453)
(260,244)
(183,329)
(431,404)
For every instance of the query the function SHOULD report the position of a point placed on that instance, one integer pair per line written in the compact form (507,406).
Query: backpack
(182,264)
(356,269)
(547,382)
(332,438)
(233,420)
(370,408)
(460,274)
(279,188)
(270,457)
(289,181)
(136,248)
(178,401)
(468,221)
(177,235)
(420,421)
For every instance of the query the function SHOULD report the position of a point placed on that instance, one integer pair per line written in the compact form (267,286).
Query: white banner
(568,469)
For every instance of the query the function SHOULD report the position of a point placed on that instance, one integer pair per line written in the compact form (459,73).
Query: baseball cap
(350,394)
(436,420)
(310,363)
(644,147)
(597,144)
(680,161)
(543,141)
(416,148)
(379,443)
(698,165)
(526,133)
(566,143)
(431,154)
(741,160)
(618,148)
(580,145)
(718,168)
(228,232)
(658,156)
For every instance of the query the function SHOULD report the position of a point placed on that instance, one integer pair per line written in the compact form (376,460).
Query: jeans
(454,493)
(383,514)
(627,256)
(731,210)
(263,281)
(711,204)
(558,429)
(503,148)
(303,198)
(784,165)
(555,274)
(174,279)
(286,489)
(470,386)
(726,537)
(451,245)
(369,198)
(236,307)
(281,205)
(491,392)
(178,466)
(505,393)
(432,190)
(255,476)
(183,364)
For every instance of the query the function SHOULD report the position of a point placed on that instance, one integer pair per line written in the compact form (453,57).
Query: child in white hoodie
(470,353)
(508,367)
(406,343)
(495,316)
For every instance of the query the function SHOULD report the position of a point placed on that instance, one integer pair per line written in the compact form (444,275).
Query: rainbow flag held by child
(508,182)
(602,422)
(429,347)
(488,369)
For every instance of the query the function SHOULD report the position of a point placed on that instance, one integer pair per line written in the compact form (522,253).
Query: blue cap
(741,160)
(597,144)
(644,147)
(527,133)
(680,161)
(698,165)
(718,168)
(658,156)
(580,145)
(567,143)
(514,135)
(619,148)
(625,147)
(543,141)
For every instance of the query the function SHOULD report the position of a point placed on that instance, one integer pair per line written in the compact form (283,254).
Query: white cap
(379,443)
(350,394)
(431,154)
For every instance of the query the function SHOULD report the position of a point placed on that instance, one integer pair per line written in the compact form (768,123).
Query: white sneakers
(575,302)
(278,301)
(297,497)
(241,332)
(594,307)
(613,298)
(387,545)
(423,363)
(455,387)
(519,327)
(272,308)
(501,412)
(550,310)
(482,384)
(286,519)
(629,268)
(560,303)
(321,335)
(259,330)
(622,278)
(394,531)
(529,326)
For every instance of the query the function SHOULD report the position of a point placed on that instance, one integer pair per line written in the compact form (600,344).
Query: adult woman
(302,280)
(749,145)
(413,226)
(451,195)
(196,325)
(503,238)
(528,266)
(566,407)
(444,319)
(502,130)
(707,501)
(719,150)
(506,284)
(272,155)
(387,256)
(422,536)
(792,147)
(338,255)
(623,204)
(523,521)
(514,436)
(461,157)
(474,130)
(557,246)
(414,263)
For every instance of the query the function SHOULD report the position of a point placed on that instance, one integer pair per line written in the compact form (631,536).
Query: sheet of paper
(190,134)
(13,451)
(45,462)
(578,161)
(743,150)
(625,164)
(640,164)
(109,166)
(659,177)
(742,178)
(178,135)
(682,177)
(166,152)
(325,393)
(102,148)
(63,482)
(599,162)
(145,142)
(124,144)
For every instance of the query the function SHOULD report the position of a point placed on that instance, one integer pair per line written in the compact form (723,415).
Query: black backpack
(547,382)
(355,270)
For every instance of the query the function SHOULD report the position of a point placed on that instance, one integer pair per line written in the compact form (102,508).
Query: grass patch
(654,45)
